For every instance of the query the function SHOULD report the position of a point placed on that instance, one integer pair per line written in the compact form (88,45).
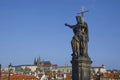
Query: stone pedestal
(81,68)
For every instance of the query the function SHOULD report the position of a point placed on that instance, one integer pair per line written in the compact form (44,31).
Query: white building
(65,69)
(32,67)
(100,69)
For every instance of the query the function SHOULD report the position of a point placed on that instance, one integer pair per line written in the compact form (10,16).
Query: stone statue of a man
(80,38)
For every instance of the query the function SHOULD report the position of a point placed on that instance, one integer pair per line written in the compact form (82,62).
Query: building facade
(65,69)
(98,70)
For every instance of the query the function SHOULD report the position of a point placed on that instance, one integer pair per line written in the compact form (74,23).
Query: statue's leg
(81,48)
(86,49)
(76,45)
(73,44)
(84,52)
(78,48)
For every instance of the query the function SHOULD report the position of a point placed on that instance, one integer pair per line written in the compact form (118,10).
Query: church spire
(35,61)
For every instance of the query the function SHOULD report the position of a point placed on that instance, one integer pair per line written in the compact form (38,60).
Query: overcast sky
(33,28)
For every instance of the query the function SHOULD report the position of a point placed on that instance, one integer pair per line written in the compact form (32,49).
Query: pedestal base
(81,68)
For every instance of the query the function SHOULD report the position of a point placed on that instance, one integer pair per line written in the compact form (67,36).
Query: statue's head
(78,19)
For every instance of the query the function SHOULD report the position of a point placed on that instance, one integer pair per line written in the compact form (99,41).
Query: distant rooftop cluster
(41,67)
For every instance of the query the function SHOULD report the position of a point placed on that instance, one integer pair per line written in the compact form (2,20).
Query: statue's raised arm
(70,26)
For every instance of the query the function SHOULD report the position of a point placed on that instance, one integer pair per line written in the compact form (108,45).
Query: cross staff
(82,13)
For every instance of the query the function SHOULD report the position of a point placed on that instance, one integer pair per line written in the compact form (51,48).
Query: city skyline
(29,29)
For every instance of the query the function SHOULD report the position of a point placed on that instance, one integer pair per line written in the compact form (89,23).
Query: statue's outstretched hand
(66,24)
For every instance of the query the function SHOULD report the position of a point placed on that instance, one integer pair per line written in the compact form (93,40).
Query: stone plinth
(81,68)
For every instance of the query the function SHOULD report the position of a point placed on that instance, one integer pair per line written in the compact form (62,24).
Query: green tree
(39,70)
(19,69)
(27,70)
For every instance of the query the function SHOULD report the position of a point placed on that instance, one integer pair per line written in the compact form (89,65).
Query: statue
(79,42)
(81,61)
